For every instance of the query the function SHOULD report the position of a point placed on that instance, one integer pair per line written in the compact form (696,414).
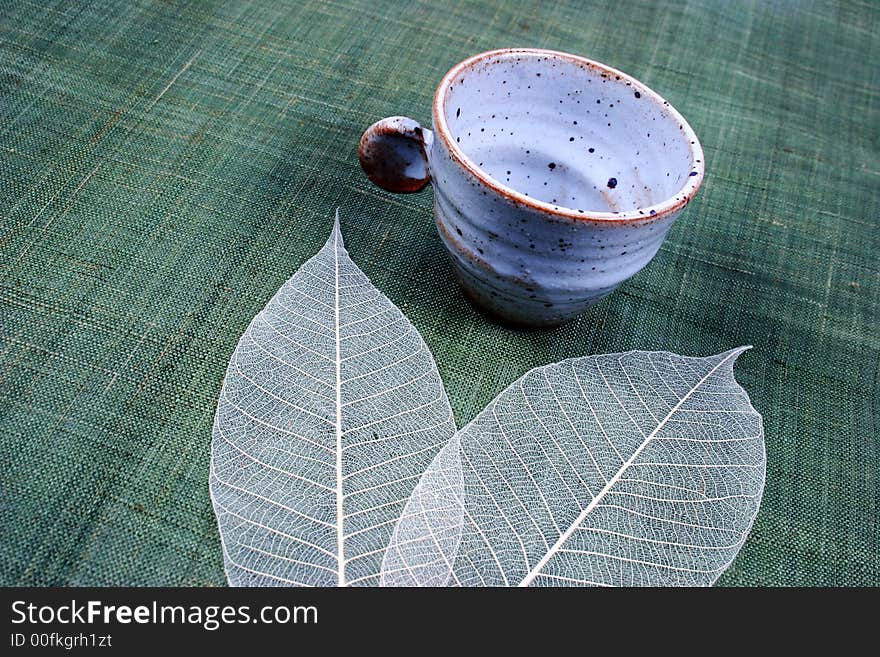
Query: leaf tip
(732,355)
(336,233)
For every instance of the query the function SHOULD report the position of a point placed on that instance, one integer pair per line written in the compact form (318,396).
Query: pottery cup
(555,178)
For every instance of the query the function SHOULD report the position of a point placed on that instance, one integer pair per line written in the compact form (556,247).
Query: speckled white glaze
(555,178)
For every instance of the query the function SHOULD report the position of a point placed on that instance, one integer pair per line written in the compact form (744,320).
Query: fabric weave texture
(165,167)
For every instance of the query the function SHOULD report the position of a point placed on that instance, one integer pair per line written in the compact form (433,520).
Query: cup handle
(394,154)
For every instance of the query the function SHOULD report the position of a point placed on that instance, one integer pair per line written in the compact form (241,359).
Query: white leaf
(331,409)
(634,469)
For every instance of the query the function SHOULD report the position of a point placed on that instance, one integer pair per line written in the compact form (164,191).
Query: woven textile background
(165,167)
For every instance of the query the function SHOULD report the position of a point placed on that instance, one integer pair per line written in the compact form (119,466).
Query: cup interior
(569,132)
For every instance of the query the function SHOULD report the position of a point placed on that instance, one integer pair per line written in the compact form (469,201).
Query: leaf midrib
(340,531)
(536,570)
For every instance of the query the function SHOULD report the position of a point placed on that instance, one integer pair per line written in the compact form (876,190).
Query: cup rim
(646,214)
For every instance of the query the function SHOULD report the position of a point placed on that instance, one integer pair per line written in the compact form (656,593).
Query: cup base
(522,314)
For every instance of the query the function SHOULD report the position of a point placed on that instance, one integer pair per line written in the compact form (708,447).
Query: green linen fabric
(165,167)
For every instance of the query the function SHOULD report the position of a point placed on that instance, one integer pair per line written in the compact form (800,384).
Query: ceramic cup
(555,178)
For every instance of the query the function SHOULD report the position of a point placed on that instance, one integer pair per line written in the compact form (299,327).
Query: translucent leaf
(634,469)
(330,411)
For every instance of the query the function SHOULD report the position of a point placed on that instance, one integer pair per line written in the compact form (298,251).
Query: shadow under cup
(555,178)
